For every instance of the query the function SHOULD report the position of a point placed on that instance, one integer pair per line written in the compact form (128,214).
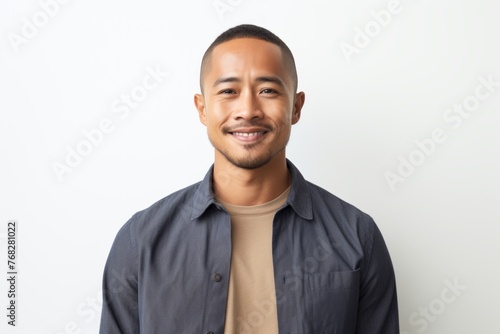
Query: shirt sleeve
(120,297)
(378,308)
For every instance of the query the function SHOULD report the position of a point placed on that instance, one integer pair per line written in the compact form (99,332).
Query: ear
(199,102)
(298,103)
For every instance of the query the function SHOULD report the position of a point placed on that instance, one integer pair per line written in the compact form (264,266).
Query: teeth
(247,134)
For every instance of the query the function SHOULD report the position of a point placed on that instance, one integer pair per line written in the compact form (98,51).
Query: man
(253,248)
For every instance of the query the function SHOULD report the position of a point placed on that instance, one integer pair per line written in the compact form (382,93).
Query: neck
(247,187)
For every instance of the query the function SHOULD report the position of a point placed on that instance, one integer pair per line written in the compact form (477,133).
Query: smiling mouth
(247,134)
(248,137)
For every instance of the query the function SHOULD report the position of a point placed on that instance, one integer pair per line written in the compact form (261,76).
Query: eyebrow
(273,79)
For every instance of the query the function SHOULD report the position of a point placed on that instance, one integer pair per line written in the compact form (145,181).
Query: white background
(362,115)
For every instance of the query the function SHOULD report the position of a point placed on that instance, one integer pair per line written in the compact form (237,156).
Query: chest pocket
(331,301)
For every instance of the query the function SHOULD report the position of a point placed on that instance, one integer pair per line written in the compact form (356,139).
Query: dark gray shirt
(168,268)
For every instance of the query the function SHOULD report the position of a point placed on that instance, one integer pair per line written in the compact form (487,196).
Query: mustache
(247,124)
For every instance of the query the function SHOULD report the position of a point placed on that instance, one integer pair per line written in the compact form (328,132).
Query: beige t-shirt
(251,301)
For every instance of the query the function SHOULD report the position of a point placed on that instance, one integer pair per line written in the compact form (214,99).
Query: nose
(247,107)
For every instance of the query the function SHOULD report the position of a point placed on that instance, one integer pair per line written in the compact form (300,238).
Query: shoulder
(338,216)
(175,207)
(171,203)
(325,201)
(323,207)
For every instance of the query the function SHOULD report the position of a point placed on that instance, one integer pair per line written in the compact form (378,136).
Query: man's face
(248,102)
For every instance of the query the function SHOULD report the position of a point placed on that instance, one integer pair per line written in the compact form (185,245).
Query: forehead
(247,46)
(246,56)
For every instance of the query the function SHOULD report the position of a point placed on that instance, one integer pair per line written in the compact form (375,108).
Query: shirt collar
(299,197)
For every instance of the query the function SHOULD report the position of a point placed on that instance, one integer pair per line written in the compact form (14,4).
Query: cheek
(211,115)
(218,111)
(284,119)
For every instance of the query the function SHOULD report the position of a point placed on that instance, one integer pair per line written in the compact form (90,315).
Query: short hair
(252,31)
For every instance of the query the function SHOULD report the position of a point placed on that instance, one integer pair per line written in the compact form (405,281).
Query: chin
(248,161)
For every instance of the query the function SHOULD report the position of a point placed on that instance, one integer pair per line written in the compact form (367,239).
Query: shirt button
(217,278)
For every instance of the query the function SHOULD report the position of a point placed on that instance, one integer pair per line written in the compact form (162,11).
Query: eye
(268,91)
(227,91)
